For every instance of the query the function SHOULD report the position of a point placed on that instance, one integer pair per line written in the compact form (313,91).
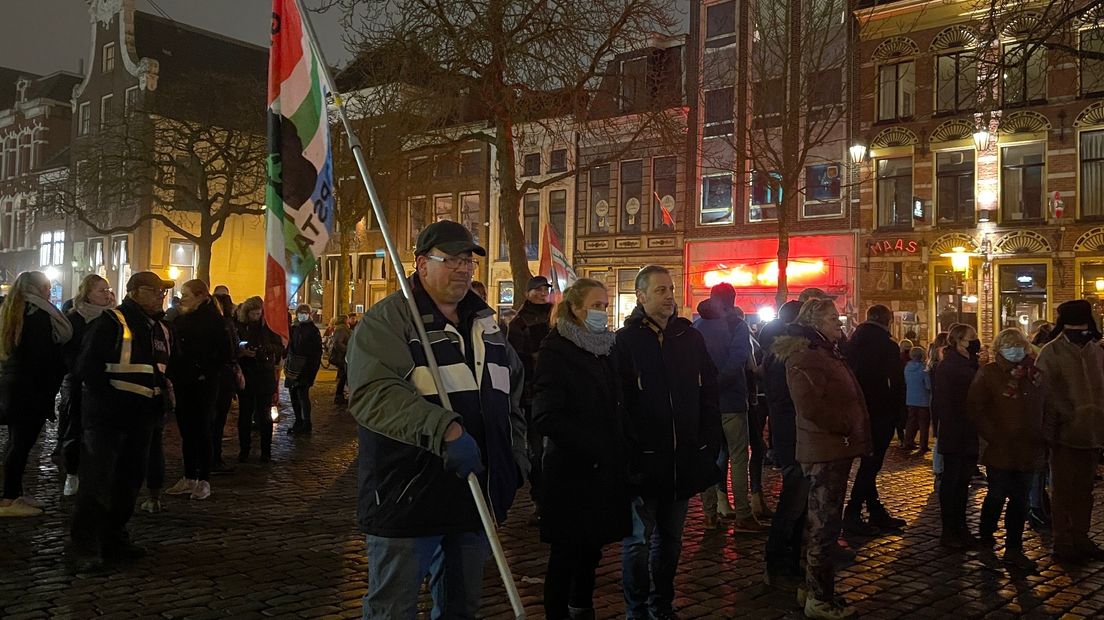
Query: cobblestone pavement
(280,540)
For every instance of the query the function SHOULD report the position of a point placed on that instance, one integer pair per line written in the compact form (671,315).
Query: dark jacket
(339,345)
(832,421)
(103,405)
(1074,406)
(266,343)
(780,406)
(951,379)
(525,334)
(578,408)
(31,376)
(404,489)
(70,387)
(304,342)
(1011,427)
(876,361)
(670,388)
(202,346)
(728,341)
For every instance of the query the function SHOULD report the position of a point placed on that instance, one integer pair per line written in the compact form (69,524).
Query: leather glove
(462,456)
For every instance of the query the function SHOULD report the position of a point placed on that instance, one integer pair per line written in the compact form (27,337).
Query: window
(716,199)
(471,215)
(417,168)
(1092,69)
(530,166)
(1022,195)
(664,182)
(953,295)
(720,19)
(417,218)
(444,166)
(557,213)
(766,195)
(85,113)
(442,208)
(7,231)
(107,63)
(769,100)
(1092,174)
(599,199)
(894,192)
(51,248)
(954,187)
(630,195)
(1024,74)
(823,191)
(182,255)
(24,153)
(896,91)
(130,100)
(633,84)
(505,295)
(10,155)
(827,88)
(471,163)
(955,82)
(96,256)
(1023,295)
(105,110)
(718,111)
(530,225)
(559,161)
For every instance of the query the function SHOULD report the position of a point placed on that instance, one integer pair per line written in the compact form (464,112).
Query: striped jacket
(404,489)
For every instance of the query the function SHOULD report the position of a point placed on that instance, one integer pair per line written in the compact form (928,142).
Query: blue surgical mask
(1013,354)
(303,318)
(597,320)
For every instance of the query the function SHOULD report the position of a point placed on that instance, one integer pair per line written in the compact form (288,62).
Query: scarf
(597,344)
(1016,375)
(63,331)
(88,312)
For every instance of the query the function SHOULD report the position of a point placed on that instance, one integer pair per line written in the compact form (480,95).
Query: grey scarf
(63,331)
(88,312)
(598,344)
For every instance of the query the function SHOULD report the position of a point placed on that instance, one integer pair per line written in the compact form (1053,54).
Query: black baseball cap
(150,279)
(450,237)
(537,282)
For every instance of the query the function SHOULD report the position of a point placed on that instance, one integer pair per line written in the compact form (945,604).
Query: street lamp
(960,265)
(981,139)
(52,273)
(858,152)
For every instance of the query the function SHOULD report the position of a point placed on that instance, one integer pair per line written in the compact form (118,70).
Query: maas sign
(878,247)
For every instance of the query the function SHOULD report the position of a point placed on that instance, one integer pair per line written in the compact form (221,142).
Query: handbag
(294,366)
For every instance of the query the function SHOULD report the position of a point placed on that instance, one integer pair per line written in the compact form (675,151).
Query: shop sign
(887,246)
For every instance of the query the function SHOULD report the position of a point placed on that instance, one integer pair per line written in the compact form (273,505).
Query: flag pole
(485,514)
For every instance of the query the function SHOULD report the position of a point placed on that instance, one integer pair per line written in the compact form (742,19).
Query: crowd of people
(122,370)
(616,429)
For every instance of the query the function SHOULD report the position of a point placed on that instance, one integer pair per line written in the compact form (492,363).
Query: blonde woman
(32,332)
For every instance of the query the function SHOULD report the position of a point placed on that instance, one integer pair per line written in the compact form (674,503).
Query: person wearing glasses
(122,363)
(414,504)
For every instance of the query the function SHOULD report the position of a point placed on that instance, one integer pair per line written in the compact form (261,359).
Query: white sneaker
(151,505)
(828,610)
(182,487)
(202,490)
(27,500)
(72,483)
(19,509)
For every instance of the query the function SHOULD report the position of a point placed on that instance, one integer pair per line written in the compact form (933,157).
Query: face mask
(973,348)
(1013,354)
(597,320)
(1079,336)
(303,318)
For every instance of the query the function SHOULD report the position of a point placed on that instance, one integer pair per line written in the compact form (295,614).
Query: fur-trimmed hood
(795,339)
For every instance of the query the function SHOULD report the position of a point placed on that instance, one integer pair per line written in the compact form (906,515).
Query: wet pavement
(279,540)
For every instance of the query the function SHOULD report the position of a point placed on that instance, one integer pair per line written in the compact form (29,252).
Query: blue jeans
(656,540)
(397,567)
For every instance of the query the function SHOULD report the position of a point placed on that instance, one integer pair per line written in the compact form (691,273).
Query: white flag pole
(485,514)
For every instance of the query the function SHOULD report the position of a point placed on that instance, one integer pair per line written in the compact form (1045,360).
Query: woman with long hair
(259,351)
(578,409)
(32,333)
(94,296)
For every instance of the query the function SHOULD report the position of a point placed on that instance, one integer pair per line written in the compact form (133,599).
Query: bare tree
(463,70)
(190,171)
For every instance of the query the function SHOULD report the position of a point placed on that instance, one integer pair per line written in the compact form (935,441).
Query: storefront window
(1092,289)
(505,296)
(954,178)
(1023,295)
(1022,169)
(626,294)
(894,192)
(956,299)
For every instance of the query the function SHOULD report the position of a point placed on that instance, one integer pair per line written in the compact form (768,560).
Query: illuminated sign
(766,274)
(886,246)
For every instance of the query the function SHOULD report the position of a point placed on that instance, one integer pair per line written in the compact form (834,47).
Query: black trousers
(954,492)
(342,376)
(864,491)
(787,529)
(300,403)
(1006,485)
(536,457)
(113,464)
(69,426)
(195,414)
(21,439)
(155,466)
(254,404)
(227,390)
(570,578)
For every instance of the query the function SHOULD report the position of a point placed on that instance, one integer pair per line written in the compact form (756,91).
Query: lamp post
(960,265)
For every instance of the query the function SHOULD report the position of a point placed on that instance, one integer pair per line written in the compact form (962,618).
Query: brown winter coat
(1073,376)
(832,420)
(1012,428)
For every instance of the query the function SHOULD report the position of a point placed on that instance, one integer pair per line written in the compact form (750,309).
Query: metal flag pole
(485,514)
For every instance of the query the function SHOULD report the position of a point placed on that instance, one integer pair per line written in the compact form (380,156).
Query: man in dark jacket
(304,356)
(728,341)
(525,333)
(414,503)
(122,367)
(876,360)
(671,397)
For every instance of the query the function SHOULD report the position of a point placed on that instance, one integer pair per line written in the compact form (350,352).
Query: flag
(553,263)
(668,217)
(299,197)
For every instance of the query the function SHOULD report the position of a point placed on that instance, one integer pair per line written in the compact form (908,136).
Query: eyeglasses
(455,262)
(160,292)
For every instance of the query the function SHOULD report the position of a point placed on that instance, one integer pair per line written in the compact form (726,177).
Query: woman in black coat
(304,356)
(578,409)
(259,352)
(32,332)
